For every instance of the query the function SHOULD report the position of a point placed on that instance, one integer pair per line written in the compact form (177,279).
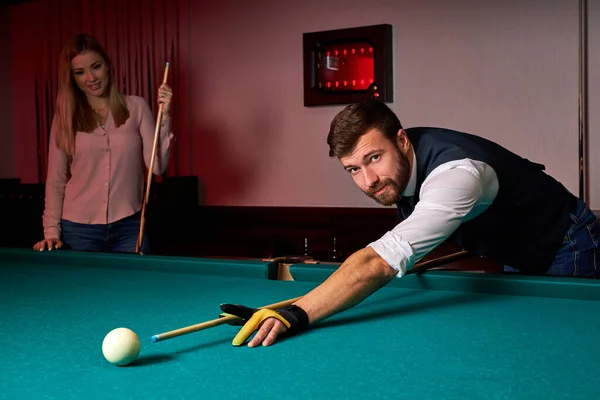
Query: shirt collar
(412,182)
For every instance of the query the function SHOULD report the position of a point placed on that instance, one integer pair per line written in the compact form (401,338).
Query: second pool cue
(436,262)
(215,322)
(138,246)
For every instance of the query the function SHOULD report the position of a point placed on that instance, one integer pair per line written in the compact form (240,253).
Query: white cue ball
(121,346)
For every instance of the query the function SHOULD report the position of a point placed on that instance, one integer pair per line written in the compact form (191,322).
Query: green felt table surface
(433,336)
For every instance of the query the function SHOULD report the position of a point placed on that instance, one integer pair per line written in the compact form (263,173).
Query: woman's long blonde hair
(73,113)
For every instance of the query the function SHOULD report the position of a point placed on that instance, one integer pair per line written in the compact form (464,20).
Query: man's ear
(402,140)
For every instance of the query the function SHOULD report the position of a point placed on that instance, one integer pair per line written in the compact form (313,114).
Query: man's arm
(363,273)
(448,198)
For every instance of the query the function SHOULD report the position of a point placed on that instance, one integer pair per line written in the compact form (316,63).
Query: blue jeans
(579,255)
(116,237)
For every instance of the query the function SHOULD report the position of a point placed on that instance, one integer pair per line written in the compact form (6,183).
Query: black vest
(526,223)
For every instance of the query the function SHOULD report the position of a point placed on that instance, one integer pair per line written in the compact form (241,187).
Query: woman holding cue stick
(141,236)
(99,142)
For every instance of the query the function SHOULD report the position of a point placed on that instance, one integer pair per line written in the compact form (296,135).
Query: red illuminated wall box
(348,65)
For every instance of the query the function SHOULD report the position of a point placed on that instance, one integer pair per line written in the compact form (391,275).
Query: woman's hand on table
(48,244)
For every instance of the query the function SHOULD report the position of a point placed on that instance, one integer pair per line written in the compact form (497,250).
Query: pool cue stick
(215,322)
(151,168)
(436,262)
(419,267)
(582,100)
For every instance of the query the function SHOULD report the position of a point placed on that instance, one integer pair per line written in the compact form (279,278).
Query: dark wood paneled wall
(179,226)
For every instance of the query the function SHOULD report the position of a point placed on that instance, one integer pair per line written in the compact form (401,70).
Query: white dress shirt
(453,193)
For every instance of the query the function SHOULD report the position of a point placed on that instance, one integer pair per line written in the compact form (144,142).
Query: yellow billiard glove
(293,317)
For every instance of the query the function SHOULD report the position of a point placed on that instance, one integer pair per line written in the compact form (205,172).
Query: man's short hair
(357,119)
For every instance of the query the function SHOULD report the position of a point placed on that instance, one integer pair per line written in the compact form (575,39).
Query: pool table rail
(461,281)
(248,268)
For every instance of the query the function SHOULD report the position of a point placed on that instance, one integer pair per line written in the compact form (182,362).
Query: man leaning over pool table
(447,185)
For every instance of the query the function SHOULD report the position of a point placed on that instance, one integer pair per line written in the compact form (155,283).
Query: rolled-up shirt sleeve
(452,194)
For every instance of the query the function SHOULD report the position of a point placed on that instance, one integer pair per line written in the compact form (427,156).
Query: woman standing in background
(99,140)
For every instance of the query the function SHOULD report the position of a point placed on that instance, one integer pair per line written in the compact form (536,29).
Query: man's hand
(269,323)
(268,333)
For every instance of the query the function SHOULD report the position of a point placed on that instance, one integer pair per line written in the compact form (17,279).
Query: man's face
(380,167)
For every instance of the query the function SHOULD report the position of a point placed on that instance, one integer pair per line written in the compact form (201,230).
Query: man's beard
(395,185)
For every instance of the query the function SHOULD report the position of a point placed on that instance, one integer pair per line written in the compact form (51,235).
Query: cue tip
(154,338)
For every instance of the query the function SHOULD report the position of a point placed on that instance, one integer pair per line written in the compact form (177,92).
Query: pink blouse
(107,175)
